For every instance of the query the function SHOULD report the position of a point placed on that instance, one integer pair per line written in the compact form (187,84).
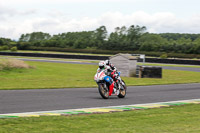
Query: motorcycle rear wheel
(104,91)
(122,92)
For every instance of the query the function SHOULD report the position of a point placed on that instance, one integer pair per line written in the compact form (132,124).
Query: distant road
(57,61)
(73,62)
(182,68)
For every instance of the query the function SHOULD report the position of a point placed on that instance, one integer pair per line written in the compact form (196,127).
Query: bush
(93,51)
(23,45)
(98,51)
(163,56)
(5,47)
(13,49)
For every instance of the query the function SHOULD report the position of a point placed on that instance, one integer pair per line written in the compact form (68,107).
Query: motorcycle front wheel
(103,90)
(122,91)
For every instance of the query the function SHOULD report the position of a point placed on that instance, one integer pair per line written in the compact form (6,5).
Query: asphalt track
(16,101)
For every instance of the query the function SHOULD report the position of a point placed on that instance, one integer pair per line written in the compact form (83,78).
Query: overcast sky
(58,16)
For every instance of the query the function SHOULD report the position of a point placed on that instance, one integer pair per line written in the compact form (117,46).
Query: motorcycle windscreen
(119,73)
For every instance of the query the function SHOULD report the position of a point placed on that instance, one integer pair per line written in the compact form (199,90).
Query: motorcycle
(103,81)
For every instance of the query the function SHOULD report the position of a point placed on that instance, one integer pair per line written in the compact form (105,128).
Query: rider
(108,63)
(102,66)
(114,74)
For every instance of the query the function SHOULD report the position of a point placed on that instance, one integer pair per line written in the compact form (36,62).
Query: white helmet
(101,64)
(107,62)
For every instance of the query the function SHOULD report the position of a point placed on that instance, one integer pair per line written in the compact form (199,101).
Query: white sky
(58,16)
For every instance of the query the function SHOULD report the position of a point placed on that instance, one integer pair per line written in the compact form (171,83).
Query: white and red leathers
(113,69)
(107,69)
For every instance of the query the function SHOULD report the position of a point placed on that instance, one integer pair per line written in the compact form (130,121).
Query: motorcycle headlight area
(101,78)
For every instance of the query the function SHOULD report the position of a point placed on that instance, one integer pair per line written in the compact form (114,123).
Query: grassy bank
(180,119)
(59,75)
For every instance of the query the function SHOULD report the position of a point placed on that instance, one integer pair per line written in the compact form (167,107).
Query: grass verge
(60,75)
(179,119)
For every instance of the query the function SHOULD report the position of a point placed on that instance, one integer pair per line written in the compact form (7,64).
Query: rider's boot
(111,89)
(115,90)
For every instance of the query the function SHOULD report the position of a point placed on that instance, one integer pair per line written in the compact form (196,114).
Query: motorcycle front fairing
(101,77)
(108,80)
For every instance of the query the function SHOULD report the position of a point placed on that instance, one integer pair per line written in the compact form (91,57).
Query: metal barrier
(89,57)
(149,72)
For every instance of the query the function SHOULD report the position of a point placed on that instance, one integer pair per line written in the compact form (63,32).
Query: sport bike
(103,81)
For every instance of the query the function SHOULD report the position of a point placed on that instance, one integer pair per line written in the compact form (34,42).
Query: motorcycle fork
(104,85)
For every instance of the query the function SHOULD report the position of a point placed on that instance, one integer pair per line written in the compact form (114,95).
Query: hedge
(97,51)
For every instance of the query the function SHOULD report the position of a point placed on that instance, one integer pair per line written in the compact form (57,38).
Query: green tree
(35,36)
(100,36)
(196,48)
(1,42)
(118,39)
(151,42)
(133,34)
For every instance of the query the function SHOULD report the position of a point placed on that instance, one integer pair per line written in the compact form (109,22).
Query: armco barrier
(91,57)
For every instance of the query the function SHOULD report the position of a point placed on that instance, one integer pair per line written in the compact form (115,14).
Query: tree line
(133,38)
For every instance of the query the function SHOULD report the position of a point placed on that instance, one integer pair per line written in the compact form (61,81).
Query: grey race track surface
(182,68)
(16,101)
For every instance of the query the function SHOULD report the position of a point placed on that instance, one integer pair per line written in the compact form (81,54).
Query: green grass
(180,119)
(60,75)
(169,77)
(48,75)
